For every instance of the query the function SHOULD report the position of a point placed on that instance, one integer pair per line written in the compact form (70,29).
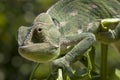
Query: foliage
(13,14)
(117,72)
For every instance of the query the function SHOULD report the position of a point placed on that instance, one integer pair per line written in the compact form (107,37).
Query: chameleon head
(40,42)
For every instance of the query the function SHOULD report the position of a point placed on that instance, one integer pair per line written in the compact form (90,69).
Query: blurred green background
(13,14)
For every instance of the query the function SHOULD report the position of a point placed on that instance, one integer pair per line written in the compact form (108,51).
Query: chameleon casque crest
(70,28)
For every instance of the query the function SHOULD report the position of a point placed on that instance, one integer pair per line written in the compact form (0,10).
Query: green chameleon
(69,28)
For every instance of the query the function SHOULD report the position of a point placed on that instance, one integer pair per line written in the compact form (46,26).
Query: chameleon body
(70,28)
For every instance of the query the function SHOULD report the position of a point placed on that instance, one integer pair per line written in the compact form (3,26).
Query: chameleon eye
(39,29)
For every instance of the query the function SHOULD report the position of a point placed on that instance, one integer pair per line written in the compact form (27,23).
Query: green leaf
(117,72)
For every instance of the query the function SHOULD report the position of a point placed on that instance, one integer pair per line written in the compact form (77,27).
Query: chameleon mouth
(42,52)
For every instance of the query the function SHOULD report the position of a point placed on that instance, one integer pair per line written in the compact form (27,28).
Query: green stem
(91,61)
(92,57)
(104,51)
(89,65)
(31,76)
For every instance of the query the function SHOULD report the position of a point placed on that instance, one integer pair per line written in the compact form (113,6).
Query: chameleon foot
(61,63)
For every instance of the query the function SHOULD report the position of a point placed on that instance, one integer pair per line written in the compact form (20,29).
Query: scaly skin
(70,27)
